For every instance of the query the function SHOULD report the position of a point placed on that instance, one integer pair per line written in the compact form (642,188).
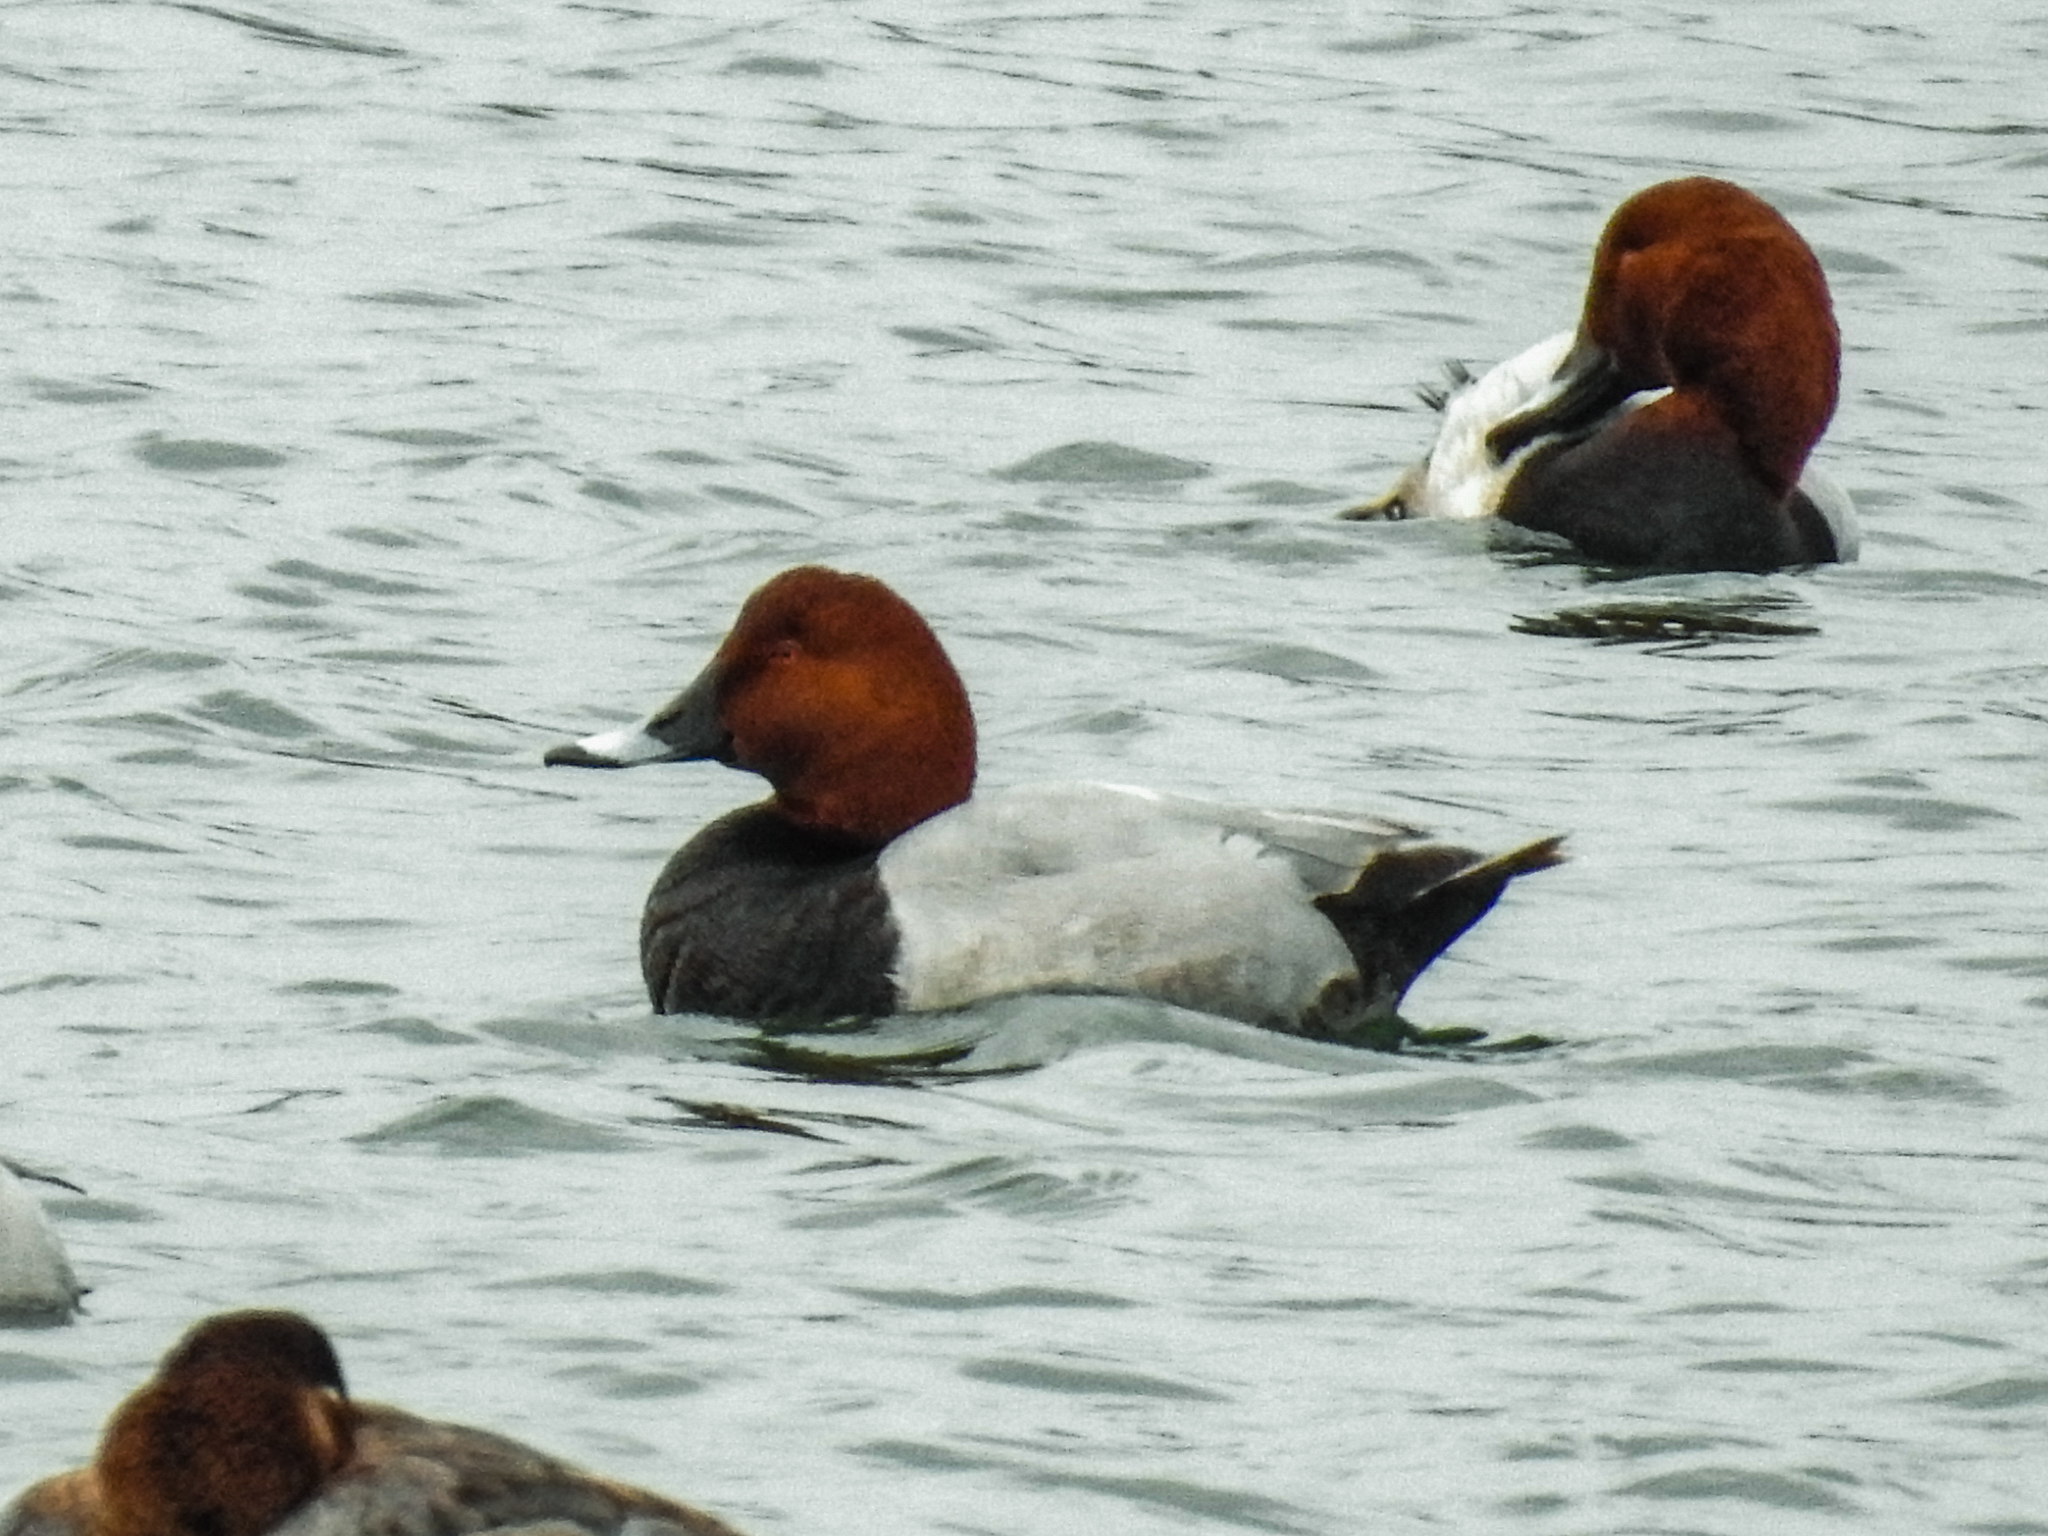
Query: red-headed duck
(36,1281)
(875,881)
(1672,428)
(247,1428)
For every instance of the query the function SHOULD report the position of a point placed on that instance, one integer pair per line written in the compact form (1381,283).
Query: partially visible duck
(37,1284)
(247,1429)
(1672,428)
(874,880)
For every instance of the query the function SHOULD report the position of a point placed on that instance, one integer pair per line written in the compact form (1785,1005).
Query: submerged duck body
(1672,428)
(247,1428)
(876,880)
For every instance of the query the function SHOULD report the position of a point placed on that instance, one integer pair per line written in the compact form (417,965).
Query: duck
(247,1429)
(876,879)
(37,1283)
(1671,429)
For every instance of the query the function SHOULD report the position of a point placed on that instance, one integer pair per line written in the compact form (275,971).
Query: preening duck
(1671,430)
(876,880)
(248,1429)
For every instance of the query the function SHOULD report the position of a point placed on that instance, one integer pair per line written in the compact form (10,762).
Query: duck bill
(686,729)
(1394,503)
(1588,385)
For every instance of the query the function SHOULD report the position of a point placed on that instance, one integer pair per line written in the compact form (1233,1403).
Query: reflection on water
(1670,621)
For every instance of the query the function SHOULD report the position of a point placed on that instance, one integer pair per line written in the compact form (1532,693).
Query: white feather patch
(1460,477)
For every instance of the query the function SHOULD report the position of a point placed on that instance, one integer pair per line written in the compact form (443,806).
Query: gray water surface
(393,389)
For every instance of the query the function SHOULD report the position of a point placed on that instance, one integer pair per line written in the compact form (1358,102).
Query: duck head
(246,1416)
(835,691)
(1701,288)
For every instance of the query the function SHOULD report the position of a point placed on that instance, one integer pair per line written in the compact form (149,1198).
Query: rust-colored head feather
(1701,286)
(836,691)
(247,1415)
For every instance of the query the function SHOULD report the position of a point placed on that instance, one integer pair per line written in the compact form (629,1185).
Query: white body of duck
(1460,477)
(1109,888)
(37,1284)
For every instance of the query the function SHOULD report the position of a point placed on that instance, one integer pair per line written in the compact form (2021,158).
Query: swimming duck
(247,1429)
(1672,428)
(36,1280)
(874,880)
